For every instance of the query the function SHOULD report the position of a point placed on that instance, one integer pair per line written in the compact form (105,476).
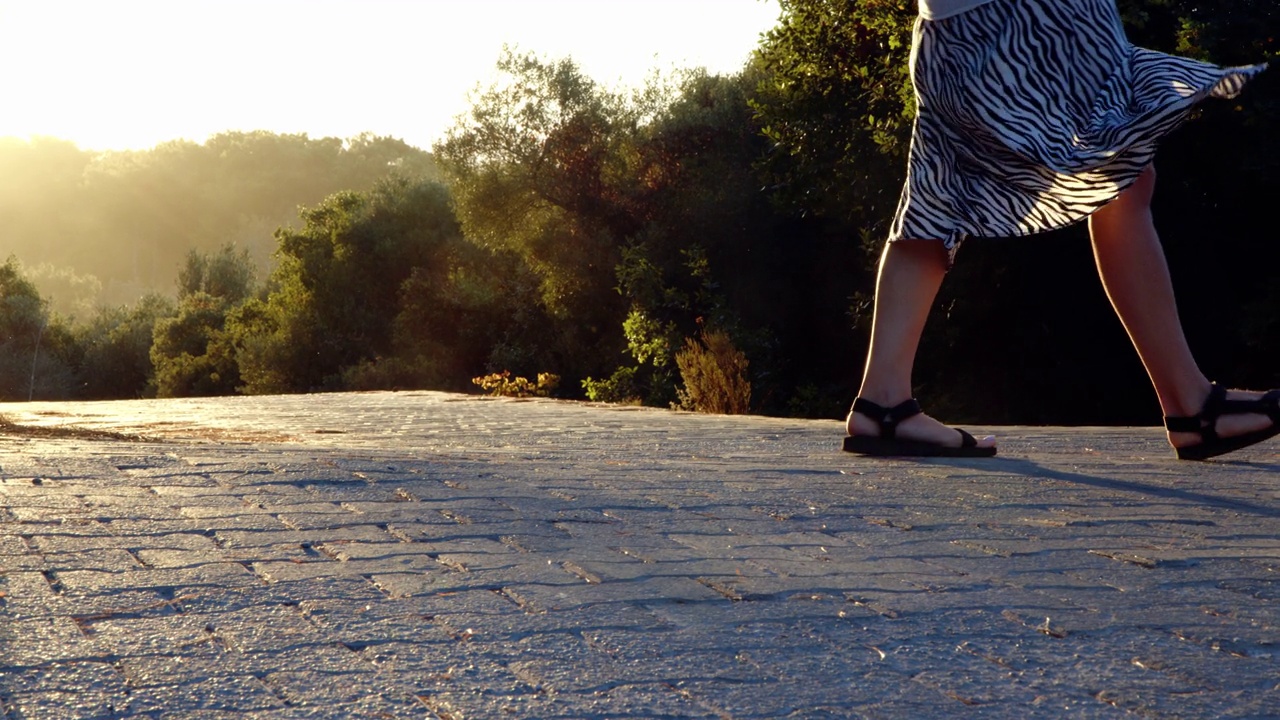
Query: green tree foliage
(192,351)
(36,352)
(835,97)
(637,213)
(227,274)
(370,292)
(116,344)
(539,169)
(716,248)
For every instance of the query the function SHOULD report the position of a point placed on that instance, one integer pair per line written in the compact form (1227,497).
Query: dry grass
(8,428)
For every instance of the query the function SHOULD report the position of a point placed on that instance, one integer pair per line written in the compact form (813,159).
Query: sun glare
(133,73)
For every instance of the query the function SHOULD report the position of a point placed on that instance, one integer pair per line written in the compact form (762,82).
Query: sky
(129,74)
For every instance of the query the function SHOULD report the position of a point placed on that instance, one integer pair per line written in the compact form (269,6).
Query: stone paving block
(194,664)
(337,686)
(17,556)
(58,677)
(276,571)
(444,529)
(72,510)
(339,518)
(474,554)
(388,548)
(90,583)
(413,667)
(626,568)
(423,671)
(79,703)
(36,642)
(532,537)
(262,537)
(381,706)
(533,705)
(263,628)
(1252,705)
(502,621)
(411,584)
(29,595)
(105,560)
(816,697)
(575,595)
(170,558)
(652,700)
(165,632)
(229,695)
(175,541)
(208,526)
(360,623)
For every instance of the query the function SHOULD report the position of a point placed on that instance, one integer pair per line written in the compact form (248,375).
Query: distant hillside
(93,227)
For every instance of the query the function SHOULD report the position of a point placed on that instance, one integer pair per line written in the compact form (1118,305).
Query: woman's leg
(1132,267)
(911,271)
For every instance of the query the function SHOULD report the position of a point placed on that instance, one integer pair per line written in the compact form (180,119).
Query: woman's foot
(904,431)
(921,428)
(1228,420)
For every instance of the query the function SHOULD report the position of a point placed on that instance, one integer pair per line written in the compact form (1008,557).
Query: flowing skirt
(1033,114)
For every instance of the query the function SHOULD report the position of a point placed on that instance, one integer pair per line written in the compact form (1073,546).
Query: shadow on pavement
(1029,467)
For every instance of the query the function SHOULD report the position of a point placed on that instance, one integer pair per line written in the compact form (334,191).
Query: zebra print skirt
(1033,114)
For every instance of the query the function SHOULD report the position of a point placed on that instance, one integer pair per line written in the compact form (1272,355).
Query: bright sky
(116,74)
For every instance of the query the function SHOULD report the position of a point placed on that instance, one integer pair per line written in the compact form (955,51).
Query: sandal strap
(1183,424)
(968,440)
(1271,401)
(1217,405)
(888,418)
(1205,422)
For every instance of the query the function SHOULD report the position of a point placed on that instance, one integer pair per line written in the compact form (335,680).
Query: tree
(116,344)
(835,97)
(35,353)
(340,284)
(192,351)
(227,274)
(539,169)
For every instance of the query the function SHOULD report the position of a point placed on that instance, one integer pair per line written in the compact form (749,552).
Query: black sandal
(889,445)
(1206,424)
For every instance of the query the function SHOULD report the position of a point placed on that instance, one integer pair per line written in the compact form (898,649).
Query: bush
(620,388)
(117,349)
(503,385)
(191,352)
(393,373)
(714,374)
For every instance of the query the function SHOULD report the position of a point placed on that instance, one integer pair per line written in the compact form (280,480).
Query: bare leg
(911,271)
(1132,267)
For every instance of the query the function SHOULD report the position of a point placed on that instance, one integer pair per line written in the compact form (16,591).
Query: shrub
(621,388)
(503,385)
(393,373)
(714,374)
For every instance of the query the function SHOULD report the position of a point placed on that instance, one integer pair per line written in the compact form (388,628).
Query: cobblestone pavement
(424,555)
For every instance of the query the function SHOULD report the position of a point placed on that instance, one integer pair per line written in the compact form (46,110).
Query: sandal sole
(879,447)
(1214,448)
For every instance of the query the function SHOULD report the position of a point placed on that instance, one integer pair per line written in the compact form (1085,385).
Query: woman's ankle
(885,395)
(1186,400)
